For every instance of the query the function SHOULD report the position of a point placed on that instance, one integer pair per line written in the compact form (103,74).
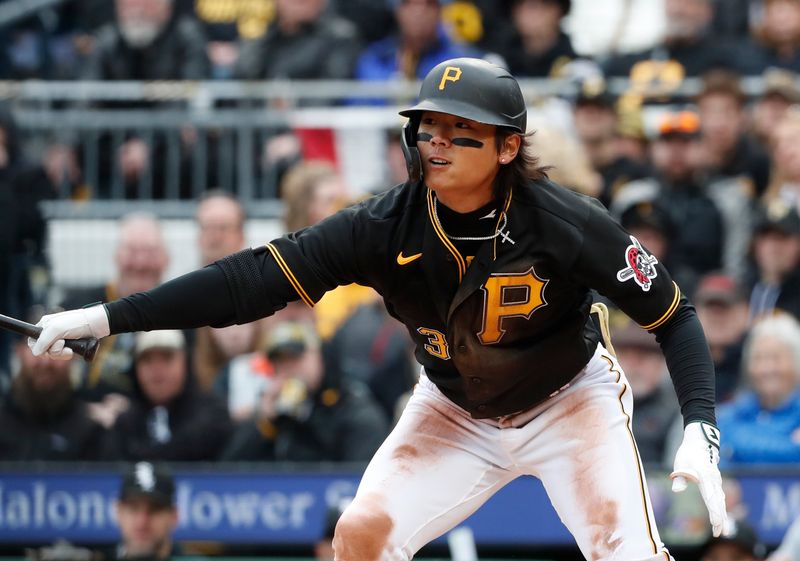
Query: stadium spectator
(769,110)
(740,544)
(722,309)
(650,222)
(41,417)
(419,44)
(538,48)
(148,41)
(302,43)
(311,192)
(687,49)
(570,163)
(699,235)
(374,349)
(729,153)
(596,125)
(373,20)
(774,278)
(654,401)
(308,413)
(147,514)
(785,180)
(169,417)
(220,220)
(140,260)
(736,168)
(760,426)
(777,36)
(241,381)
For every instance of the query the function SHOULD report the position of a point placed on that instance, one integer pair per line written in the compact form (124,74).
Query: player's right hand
(696,460)
(74,324)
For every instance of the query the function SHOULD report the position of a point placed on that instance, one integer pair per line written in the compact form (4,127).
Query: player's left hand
(697,460)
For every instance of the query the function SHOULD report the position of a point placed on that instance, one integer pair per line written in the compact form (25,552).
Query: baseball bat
(87,348)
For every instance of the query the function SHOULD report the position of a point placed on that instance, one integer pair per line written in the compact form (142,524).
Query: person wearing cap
(596,123)
(649,220)
(419,44)
(657,410)
(698,236)
(169,418)
(538,48)
(774,278)
(769,109)
(42,418)
(146,513)
(308,411)
(491,267)
(741,544)
(762,422)
(723,310)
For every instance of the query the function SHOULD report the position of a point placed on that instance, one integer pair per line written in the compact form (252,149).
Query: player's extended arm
(692,371)
(232,290)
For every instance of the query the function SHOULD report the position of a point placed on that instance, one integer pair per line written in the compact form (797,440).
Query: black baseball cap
(778,216)
(150,481)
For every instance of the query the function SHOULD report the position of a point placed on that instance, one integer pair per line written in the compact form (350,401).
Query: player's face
(459,157)
(145,527)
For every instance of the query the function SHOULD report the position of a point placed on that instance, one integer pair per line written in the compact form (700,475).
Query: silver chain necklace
(466,238)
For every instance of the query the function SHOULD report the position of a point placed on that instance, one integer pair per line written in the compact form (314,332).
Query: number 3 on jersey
(437,344)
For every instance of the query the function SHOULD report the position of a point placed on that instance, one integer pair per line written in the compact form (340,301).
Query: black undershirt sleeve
(240,288)
(192,300)
(690,365)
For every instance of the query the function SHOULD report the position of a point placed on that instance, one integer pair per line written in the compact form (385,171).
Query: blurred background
(140,139)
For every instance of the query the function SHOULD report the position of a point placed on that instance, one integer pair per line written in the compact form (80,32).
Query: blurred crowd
(708,182)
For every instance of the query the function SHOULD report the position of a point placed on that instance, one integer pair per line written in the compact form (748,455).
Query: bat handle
(87,348)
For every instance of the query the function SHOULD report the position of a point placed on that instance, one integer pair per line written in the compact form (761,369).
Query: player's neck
(463,203)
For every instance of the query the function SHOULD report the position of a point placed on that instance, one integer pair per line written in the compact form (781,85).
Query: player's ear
(509,148)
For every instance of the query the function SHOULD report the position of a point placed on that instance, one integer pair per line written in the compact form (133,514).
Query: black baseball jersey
(505,330)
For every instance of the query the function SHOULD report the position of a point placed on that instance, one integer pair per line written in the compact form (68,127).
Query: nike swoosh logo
(406,260)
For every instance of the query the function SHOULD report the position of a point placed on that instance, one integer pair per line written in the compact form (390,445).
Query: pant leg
(435,469)
(583,450)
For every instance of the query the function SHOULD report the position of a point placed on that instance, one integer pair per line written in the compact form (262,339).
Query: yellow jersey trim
(668,314)
(289,275)
(462,267)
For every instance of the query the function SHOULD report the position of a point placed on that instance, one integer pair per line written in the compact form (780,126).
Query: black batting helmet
(474,89)
(471,88)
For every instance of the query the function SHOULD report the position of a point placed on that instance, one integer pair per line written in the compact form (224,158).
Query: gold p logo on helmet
(451,74)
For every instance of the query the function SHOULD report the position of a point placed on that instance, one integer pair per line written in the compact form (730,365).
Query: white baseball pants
(439,465)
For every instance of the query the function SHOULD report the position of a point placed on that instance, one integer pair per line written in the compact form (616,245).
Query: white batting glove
(74,324)
(696,460)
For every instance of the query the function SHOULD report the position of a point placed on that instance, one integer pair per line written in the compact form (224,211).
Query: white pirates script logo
(640,266)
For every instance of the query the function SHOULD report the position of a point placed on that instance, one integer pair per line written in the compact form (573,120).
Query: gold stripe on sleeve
(668,314)
(289,275)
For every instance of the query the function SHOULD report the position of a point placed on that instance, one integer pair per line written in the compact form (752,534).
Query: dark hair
(522,169)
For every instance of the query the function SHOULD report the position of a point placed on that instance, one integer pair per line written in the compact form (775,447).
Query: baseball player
(489,265)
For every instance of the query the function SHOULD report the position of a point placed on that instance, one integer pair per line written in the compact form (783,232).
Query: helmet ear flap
(408,142)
